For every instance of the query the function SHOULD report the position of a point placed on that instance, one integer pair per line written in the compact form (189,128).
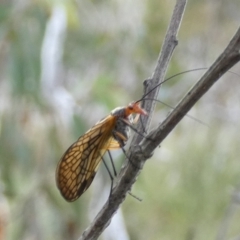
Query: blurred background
(64,65)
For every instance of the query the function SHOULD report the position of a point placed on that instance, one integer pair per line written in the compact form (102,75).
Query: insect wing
(77,167)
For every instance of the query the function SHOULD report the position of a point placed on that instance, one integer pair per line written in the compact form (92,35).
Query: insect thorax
(118,112)
(121,131)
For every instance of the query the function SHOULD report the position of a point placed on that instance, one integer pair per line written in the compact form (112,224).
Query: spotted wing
(77,167)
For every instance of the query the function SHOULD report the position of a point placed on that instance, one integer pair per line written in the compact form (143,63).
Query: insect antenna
(169,78)
(142,127)
(152,99)
(169,106)
(175,75)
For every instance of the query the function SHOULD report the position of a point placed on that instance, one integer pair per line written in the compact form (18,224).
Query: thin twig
(170,42)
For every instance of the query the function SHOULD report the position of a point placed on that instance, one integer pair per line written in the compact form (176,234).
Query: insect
(78,165)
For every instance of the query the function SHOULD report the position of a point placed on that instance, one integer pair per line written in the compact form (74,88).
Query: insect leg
(125,153)
(113,166)
(129,192)
(110,174)
(120,134)
(134,129)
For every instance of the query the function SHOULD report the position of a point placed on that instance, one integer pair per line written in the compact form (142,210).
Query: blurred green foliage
(109,48)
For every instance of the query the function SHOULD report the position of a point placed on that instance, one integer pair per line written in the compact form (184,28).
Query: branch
(229,57)
(127,177)
(170,42)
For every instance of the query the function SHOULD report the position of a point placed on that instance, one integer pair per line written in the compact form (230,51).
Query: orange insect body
(78,165)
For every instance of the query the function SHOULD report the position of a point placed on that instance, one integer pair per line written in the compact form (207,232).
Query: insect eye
(131,105)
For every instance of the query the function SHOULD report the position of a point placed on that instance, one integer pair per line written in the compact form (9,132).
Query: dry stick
(159,73)
(118,195)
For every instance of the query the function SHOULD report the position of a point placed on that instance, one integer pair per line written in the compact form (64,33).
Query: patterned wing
(77,168)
